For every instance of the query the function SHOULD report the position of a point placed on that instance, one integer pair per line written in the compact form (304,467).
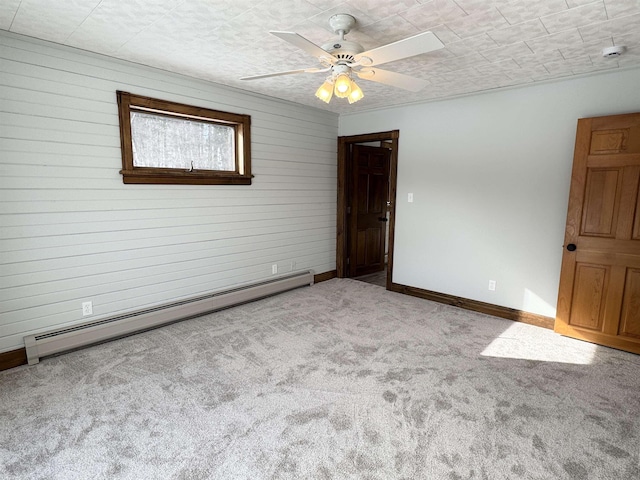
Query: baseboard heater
(57,341)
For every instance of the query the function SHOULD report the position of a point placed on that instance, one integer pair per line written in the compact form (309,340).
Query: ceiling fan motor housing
(343,49)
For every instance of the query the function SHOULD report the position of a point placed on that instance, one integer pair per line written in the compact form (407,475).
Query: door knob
(382,219)
(571,247)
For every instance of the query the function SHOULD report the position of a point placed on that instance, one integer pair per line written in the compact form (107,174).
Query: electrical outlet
(87,308)
(274,269)
(410,197)
(492,285)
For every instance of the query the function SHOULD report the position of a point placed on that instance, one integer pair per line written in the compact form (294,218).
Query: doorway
(367,169)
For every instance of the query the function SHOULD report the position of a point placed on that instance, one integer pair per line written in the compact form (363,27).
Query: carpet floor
(342,380)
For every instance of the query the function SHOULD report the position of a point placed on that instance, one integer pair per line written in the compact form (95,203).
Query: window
(166,142)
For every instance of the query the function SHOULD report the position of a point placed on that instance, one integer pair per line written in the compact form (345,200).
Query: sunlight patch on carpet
(512,344)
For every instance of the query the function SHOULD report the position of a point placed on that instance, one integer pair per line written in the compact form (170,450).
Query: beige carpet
(342,380)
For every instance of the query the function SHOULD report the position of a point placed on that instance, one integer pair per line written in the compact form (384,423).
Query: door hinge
(348,260)
(348,210)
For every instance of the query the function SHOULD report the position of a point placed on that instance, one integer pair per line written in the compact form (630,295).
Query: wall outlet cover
(87,308)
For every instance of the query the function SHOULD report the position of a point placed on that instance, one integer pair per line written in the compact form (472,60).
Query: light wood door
(599,295)
(369,194)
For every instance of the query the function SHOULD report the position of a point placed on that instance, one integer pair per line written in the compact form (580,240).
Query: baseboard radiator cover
(88,333)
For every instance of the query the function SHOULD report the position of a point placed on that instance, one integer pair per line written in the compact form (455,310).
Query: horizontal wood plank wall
(73,232)
(476,306)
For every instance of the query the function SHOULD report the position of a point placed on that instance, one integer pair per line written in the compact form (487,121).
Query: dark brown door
(368,205)
(599,295)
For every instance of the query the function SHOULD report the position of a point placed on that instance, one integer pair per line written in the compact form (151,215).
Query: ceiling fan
(344,59)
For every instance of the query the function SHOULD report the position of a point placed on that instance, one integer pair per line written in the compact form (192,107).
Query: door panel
(367,222)
(599,295)
(374,240)
(361,249)
(630,324)
(636,222)
(379,186)
(588,296)
(609,141)
(600,202)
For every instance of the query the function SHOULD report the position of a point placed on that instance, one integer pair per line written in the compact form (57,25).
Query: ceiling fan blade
(304,44)
(287,72)
(421,43)
(392,78)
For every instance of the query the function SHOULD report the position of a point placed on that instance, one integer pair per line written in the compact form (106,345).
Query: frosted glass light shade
(356,93)
(325,92)
(343,86)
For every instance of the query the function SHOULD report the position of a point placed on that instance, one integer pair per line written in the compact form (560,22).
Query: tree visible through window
(167,142)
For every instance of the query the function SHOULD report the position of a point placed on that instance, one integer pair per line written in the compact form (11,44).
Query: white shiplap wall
(71,231)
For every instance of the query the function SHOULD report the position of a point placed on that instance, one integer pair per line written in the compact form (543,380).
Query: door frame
(344,165)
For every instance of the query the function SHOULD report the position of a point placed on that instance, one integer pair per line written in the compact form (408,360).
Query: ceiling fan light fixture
(325,92)
(345,59)
(356,93)
(343,86)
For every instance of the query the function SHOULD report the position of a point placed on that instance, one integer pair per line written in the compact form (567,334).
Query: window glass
(166,142)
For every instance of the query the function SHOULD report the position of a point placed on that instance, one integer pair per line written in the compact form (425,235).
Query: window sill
(184,178)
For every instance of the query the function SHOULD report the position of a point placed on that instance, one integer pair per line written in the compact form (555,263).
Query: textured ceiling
(488,44)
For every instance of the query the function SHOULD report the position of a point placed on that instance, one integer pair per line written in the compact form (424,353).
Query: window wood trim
(150,175)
